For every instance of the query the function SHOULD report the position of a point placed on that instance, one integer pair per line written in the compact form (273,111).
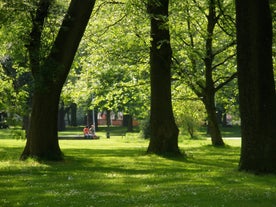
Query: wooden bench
(115,133)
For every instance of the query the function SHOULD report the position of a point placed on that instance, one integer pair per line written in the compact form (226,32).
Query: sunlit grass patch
(117,172)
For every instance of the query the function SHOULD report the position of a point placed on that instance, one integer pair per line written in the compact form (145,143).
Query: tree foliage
(111,64)
(14,74)
(205,31)
(188,110)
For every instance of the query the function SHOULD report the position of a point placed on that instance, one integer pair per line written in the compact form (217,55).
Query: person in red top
(86,132)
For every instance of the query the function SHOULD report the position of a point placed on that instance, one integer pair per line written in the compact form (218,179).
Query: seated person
(86,132)
(92,132)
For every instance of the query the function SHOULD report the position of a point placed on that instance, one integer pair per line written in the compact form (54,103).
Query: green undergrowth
(12,133)
(117,172)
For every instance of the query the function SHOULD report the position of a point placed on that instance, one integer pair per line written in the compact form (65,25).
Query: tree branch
(230,44)
(228,80)
(225,60)
(34,45)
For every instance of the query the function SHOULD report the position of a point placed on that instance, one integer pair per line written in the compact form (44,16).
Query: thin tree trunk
(164,132)
(127,122)
(213,127)
(89,118)
(209,93)
(73,112)
(108,118)
(61,117)
(256,86)
(26,123)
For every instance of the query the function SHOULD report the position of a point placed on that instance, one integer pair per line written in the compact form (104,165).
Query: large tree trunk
(50,76)
(42,142)
(256,86)
(164,132)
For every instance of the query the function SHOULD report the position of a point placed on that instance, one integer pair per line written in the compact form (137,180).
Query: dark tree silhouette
(50,74)
(256,86)
(164,132)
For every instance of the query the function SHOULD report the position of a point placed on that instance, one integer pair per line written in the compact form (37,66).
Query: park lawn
(117,172)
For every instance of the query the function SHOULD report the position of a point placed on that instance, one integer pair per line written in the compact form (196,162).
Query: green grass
(116,172)
(230,131)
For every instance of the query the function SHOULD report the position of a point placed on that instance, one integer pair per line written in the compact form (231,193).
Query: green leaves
(112,61)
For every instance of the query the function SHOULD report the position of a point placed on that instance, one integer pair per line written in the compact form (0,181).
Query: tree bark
(61,117)
(108,118)
(213,127)
(42,142)
(164,132)
(256,86)
(73,112)
(127,122)
(50,75)
(209,90)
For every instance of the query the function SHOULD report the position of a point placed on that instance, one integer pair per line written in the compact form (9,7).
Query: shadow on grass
(124,158)
(126,176)
(130,160)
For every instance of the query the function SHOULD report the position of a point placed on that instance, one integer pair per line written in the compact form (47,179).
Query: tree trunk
(164,132)
(61,117)
(73,112)
(256,86)
(209,91)
(213,127)
(42,142)
(89,118)
(108,118)
(26,123)
(96,119)
(127,122)
(50,74)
